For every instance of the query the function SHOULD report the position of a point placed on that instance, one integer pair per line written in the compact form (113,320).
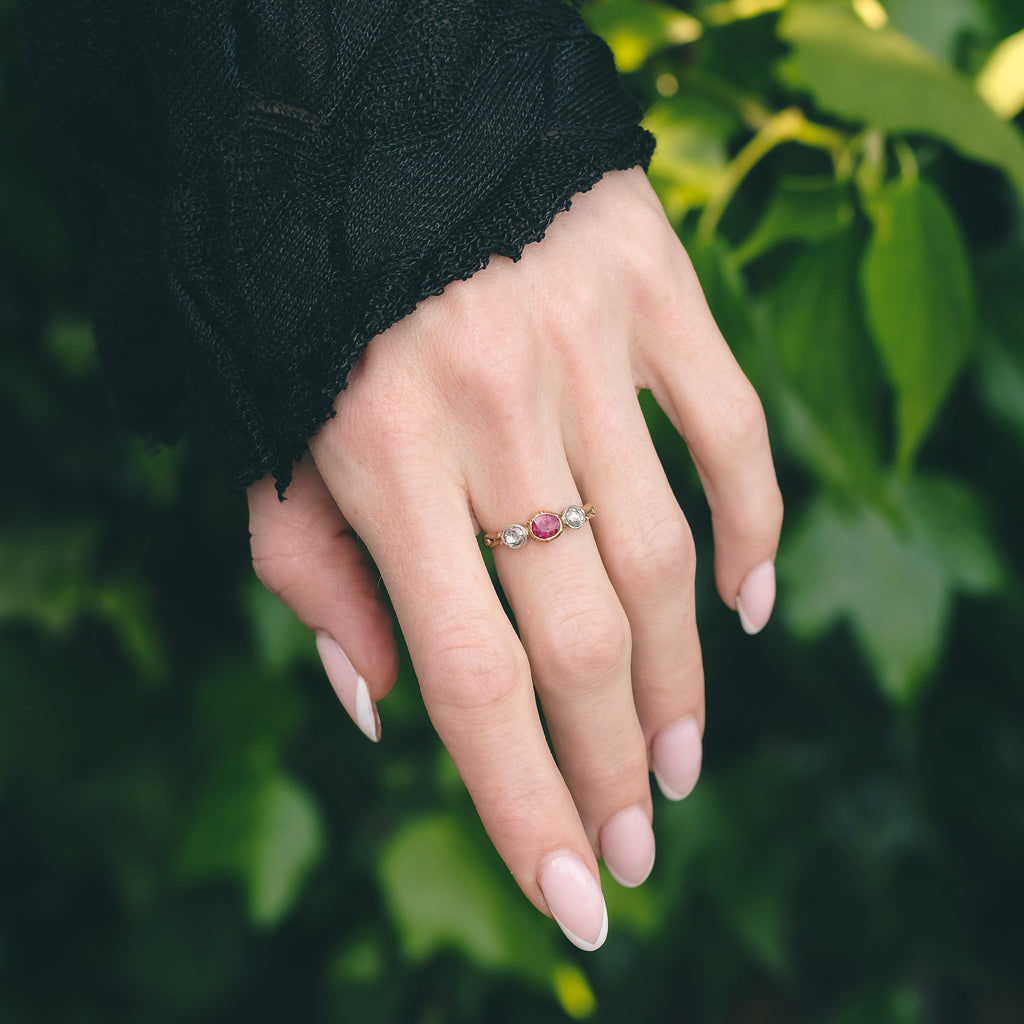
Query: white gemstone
(513,536)
(574,517)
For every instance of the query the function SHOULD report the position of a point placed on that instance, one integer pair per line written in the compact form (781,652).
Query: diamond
(545,526)
(574,517)
(514,536)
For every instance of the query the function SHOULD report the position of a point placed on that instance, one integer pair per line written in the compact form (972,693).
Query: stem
(784,126)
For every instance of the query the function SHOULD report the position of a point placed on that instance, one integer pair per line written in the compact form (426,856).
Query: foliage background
(191,830)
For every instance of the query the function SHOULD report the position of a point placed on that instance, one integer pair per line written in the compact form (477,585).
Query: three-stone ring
(544,526)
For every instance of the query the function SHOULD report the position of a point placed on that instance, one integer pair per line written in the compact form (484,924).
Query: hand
(513,392)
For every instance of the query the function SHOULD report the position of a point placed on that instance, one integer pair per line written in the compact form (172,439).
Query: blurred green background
(192,830)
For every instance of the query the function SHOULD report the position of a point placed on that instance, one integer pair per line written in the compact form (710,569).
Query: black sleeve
(267,184)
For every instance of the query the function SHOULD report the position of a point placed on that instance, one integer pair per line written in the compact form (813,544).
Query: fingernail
(675,757)
(574,898)
(349,685)
(627,846)
(756,598)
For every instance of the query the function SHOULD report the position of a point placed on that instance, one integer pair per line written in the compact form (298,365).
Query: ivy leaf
(832,398)
(892,578)
(880,78)
(286,844)
(260,828)
(919,301)
(48,577)
(444,892)
(44,572)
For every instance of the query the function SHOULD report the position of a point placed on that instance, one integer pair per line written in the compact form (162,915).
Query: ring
(544,526)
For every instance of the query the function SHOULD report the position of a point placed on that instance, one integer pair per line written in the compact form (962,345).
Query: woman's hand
(511,393)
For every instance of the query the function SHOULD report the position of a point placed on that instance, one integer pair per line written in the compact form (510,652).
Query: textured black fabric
(268,184)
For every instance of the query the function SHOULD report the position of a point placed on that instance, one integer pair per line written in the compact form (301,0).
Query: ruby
(545,526)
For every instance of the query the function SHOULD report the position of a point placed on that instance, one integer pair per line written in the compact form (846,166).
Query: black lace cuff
(271,183)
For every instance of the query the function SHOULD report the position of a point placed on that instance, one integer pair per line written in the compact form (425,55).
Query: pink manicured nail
(574,898)
(349,685)
(627,846)
(756,598)
(676,753)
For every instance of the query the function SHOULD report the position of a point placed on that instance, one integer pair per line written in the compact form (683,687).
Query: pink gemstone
(545,526)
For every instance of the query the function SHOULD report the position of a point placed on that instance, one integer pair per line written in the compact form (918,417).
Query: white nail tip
(666,790)
(587,947)
(748,627)
(626,883)
(366,713)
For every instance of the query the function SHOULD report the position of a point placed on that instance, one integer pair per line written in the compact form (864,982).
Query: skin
(513,392)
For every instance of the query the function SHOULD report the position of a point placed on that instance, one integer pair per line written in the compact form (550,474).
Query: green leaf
(800,210)
(445,892)
(1001,355)
(919,300)
(635,29)
(939,27)
(731,304)
(879,78)
(281,640)
(692,154)
(892,578)
(286,844)
(44,572)
(833,401)
(260,828)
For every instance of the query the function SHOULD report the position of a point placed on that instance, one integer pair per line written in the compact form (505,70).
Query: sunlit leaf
(692,153)
(444,892)
(574,992)
(880,78)
(919,300)
(1001,80)
(636,29)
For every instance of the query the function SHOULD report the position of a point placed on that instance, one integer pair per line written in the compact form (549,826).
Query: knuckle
(621,770)
(589,643)
(660,547)
(491,370)
(472,670)
(278,573)
(734,423)
(286,574)
(380,439)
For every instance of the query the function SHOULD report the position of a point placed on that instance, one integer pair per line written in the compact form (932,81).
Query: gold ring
(544,526)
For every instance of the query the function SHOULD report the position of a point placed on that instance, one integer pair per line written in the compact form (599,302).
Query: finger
(697,381)
(578,640)
(476,685)
(648,551)
(304,552)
